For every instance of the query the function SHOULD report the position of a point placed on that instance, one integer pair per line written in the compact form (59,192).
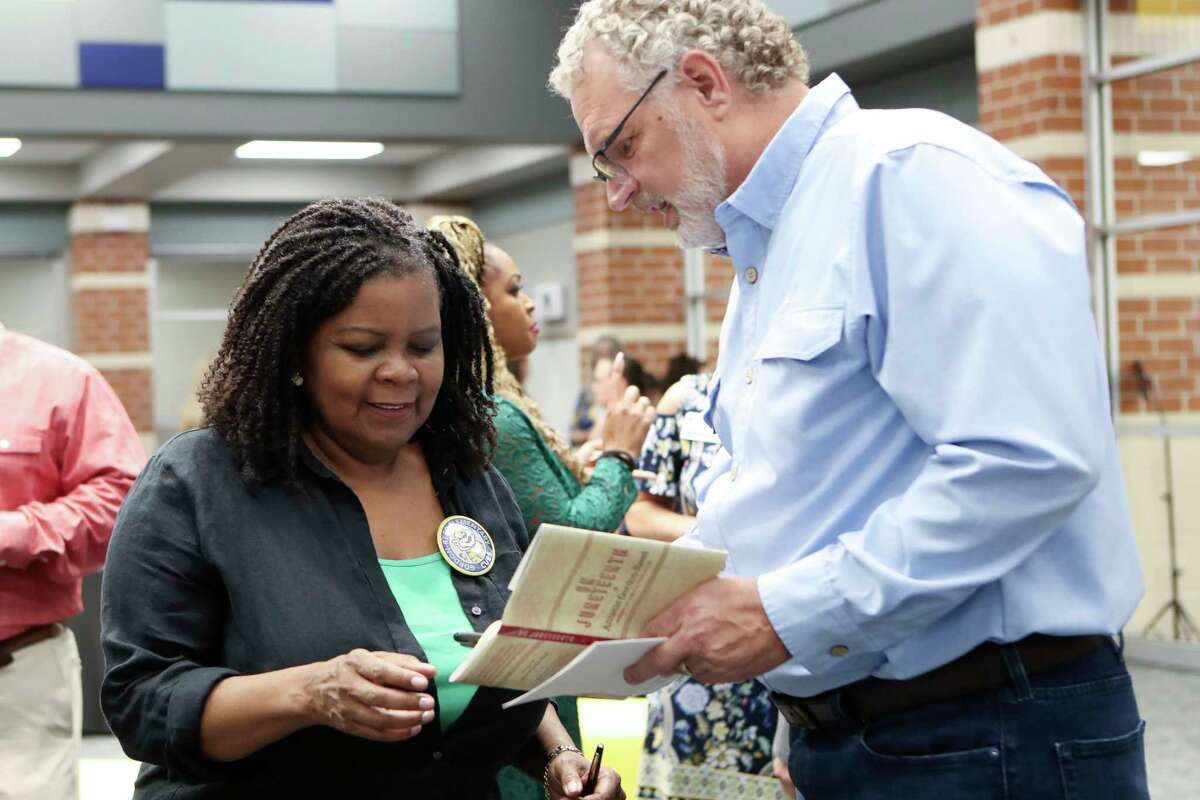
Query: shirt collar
(765,190)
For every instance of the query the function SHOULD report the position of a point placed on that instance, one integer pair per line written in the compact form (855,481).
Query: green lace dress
(546,491)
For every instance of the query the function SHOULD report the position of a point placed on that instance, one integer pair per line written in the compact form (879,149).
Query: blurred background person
(696,734)
(279,603)
(587,409)
(611,379)
(548,479)
(68,455)
(678,366)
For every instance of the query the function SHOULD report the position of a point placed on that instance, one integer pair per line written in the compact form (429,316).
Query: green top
(546,490)
(425,592)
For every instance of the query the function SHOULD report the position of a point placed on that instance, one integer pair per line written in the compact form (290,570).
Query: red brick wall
(1164,334)
(111,321)
(631,285)
(133,388)
(1165,102)
(993,12)
(592,212)
(109,252)
(114,322)
(1045,94)
(626,283)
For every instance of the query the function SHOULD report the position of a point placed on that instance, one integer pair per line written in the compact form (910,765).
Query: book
(579,602)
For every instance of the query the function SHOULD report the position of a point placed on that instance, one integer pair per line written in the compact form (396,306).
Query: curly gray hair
(754,44)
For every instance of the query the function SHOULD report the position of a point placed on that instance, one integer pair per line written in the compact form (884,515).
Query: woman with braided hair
(283,585)
(549,481)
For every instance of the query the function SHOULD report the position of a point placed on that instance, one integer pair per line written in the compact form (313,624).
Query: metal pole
(694,299)
(1099,186)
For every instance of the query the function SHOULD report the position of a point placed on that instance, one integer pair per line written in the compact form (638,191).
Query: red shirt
(68,455)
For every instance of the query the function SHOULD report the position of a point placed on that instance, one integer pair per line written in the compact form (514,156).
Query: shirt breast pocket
(20,444)
(803,334)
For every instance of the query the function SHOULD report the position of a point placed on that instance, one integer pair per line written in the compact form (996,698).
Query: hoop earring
(297,379)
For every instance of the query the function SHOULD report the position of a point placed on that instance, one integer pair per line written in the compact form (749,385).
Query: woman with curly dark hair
(283,585)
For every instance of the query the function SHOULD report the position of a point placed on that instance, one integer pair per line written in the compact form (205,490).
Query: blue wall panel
(140,66)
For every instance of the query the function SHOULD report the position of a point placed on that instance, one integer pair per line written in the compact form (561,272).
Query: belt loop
(1016,672)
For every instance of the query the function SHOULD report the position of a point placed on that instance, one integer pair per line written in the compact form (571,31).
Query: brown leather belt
(25,638)
(981,669)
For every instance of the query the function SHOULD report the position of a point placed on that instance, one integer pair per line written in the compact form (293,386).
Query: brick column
(110,291)
(1031,97)
(629,277)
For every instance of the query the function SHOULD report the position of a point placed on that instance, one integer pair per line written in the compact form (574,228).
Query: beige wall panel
(1142,463)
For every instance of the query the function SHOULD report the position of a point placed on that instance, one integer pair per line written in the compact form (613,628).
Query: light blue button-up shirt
(913,400)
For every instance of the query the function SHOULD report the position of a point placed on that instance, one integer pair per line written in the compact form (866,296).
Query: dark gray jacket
(207,577)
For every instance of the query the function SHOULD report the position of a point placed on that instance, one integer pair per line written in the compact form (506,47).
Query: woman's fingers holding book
(398,669)
(360,693)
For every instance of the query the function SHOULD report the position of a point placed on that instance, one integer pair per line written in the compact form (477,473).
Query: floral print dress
(702,742)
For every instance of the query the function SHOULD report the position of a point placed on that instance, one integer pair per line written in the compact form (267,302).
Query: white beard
(703,187)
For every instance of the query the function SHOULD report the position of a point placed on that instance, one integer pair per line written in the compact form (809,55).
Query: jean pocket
(974,774)
(1113,767)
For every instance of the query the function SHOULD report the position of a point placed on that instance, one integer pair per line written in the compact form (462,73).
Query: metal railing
(1103,226)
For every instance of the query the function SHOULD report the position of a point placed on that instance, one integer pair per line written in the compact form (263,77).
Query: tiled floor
(1170,702)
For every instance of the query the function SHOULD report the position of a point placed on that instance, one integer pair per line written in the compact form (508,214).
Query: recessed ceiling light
(265,148)
(9,146)
(1163,158)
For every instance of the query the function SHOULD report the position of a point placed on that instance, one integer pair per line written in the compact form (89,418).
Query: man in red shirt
(68,455)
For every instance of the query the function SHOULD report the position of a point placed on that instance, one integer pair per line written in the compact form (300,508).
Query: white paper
(597,672)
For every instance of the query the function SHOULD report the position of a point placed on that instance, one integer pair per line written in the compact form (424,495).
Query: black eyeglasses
(606,170)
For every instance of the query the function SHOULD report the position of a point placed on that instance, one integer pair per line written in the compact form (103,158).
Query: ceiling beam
(30,183)
(469,172)
(286,183)
(140,169)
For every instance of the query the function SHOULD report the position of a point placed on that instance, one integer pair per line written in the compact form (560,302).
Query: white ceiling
(73,169)
(51,151)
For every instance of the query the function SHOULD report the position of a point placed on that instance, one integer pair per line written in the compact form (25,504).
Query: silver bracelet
(554,753)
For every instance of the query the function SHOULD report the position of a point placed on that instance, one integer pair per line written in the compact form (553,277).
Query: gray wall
(900,53)
(199,228)
(507,47)
(535,224)
(33,271)
(33,298)
(32,229)
(949,87)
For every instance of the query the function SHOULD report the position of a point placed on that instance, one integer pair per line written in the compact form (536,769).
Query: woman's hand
(567,773)
(375,695)
(627,422)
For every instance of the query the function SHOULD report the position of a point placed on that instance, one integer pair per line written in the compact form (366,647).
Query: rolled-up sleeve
(99,455)
(162,613)
(984,319)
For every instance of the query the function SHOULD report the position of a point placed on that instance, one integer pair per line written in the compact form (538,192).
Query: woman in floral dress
(702,742)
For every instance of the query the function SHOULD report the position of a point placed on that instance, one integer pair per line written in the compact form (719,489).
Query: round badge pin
(466,545)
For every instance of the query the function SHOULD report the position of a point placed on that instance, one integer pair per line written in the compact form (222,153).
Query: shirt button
(5,444)
(437,755)
(476,610)
(750,375)
(751,275)
(838,650)
(733,473)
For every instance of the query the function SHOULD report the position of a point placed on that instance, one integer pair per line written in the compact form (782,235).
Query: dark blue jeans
(1070,733)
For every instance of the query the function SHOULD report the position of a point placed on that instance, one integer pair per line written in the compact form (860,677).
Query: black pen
(469,639)
(593,775)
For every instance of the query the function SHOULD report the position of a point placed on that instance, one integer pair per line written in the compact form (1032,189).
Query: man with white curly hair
(929,545)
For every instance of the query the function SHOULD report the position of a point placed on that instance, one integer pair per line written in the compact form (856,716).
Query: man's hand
(718,633)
